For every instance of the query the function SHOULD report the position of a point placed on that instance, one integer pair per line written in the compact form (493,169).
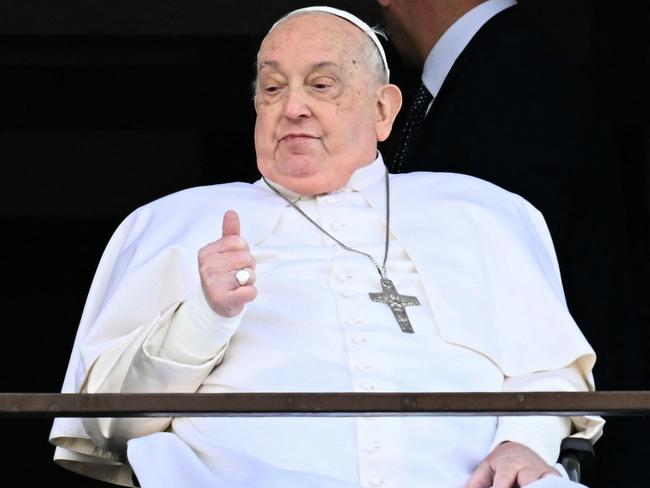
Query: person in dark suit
(503,104)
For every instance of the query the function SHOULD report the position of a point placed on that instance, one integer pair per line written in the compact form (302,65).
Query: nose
(296,104)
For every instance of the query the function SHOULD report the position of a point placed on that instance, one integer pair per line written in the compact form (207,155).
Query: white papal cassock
(492,318)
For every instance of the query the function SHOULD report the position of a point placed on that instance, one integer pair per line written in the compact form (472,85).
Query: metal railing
(606,403)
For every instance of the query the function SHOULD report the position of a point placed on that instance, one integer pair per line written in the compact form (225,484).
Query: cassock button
(372,449)
(338,225)
(331,200)
(376,481)
(366,385)
(359,340)
(347,293)
(354,321)
(363,366)
(345,276)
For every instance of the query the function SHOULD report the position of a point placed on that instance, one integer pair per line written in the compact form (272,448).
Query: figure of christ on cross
(396,302)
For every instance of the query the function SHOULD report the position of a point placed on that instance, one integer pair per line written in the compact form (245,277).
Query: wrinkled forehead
(370,33)
(310,34)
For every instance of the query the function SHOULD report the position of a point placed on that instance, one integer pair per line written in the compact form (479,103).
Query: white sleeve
(173,354)
(196,335)
(544,434)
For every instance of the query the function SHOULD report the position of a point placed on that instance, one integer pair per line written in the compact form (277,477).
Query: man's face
(316,104)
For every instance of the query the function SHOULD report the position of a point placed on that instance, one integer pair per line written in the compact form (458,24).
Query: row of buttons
(338,224)
(358,340)
(370,447)
(373,447)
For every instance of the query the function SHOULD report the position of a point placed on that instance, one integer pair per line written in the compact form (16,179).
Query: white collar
(361,179)
(445,52)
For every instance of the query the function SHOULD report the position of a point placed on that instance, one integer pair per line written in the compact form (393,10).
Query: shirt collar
(445,52)
(361,179)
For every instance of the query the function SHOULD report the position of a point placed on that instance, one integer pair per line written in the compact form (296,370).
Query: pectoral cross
(389,296)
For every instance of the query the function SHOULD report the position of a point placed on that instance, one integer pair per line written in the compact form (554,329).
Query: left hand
(510,465)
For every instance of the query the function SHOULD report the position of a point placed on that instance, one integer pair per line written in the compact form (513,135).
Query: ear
(383,3)
(389,101)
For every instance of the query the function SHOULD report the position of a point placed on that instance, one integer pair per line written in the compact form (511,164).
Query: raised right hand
(218,263)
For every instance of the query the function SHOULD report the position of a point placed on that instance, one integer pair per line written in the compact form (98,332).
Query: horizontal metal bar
(323,404)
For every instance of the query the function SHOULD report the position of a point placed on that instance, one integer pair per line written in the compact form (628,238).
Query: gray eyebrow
(271,64)
(275,65)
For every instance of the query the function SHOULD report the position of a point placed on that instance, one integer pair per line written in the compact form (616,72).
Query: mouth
(297,137)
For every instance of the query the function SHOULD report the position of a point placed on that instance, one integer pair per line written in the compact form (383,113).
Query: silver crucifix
(389,296)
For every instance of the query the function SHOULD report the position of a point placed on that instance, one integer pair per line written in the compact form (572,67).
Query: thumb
(482,477)
(230,226)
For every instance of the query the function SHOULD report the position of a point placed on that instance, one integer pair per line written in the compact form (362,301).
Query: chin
(306,186)
(296,168)
(314,185)
(300,166)
(306,175)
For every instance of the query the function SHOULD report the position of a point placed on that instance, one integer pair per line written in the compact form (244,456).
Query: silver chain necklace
(389,295)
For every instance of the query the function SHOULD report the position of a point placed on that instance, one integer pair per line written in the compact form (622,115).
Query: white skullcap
(350,18)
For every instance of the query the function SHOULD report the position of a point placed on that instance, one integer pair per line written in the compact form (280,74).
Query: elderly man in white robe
(329,276)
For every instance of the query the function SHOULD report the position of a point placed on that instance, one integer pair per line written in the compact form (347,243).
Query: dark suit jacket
(512,111)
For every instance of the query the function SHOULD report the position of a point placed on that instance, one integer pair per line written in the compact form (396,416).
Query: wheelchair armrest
(578,458)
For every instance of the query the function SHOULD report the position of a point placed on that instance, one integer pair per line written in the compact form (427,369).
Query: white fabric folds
(483,256)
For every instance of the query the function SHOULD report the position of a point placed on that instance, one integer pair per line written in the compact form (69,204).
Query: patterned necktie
(412,129)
